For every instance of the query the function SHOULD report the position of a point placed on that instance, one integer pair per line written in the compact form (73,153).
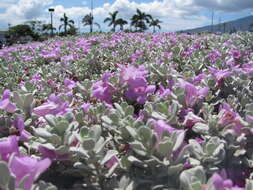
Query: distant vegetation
(39,31)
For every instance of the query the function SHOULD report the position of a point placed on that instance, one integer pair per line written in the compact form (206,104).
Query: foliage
(128,111)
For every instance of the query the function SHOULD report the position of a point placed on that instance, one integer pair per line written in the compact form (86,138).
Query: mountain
(242,24)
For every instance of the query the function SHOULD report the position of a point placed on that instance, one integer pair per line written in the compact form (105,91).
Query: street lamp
(51,10)
(91,5)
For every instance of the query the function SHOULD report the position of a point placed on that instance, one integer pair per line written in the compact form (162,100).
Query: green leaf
(41,132)
(51,120)
(145,134)
(107,120)
(138,148)
(157,115)
(95,132)
(201,128)
(178,140)
(84,132)
(119,108)
(61,127)
(191,177)
(28,103)
(249,184)
(4,175)
(165,147)
(88,144)
(18,100)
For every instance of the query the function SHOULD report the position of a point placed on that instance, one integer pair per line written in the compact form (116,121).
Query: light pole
(91,6)
(51,10)
(212,20)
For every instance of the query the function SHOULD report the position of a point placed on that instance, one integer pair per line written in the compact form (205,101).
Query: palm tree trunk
(153,29)
(65,28)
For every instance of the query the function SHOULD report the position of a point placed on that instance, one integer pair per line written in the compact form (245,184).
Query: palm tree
(66,23)
(121,22)
(47,27)
(155,23)
(112,20)
(88,20)
(140,20)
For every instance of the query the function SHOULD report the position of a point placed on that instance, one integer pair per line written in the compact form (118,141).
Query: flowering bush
(128,111)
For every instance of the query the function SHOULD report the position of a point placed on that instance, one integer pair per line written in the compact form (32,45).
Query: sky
(174,14)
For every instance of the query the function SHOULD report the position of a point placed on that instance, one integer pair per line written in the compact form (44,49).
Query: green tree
(36,25)
(47,28)
(88,20)
(112,19)
(155,23)
(121,22)
(66,23)
(140,20)
(19,31)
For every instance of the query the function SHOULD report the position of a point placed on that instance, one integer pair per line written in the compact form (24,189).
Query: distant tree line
(39,31)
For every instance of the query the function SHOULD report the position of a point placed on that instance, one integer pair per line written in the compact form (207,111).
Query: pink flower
(5,103)
(86,107)
(69,84)
(102,89)
(192,93)
(51,154)
(8,147)
(161,127)
(20,126)
(25,166)
(137,86)
(55,106)
(191,119)
(111,162)
(220,183)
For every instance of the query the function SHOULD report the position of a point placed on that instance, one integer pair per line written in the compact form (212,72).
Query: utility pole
(51,10)
(219,24)
(212,20)
(92,18)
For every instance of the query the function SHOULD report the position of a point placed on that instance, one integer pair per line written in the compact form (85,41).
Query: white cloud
(20,11)
(175,14)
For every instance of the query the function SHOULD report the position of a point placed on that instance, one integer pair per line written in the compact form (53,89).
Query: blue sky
(174,14)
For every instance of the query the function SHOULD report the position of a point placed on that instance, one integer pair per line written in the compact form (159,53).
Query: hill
(242,24)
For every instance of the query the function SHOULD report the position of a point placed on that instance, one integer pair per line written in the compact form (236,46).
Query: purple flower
(51,154)
(54,106)
(5,103)
(102,89)
(191,119)
(20,126)
(131,72)
(22,166)
(227,116)
(236,54)
(111,162)
(135,80)
(138,90)
(69,84)
(136,55)
(86,107)
(223,184)
(199,78)
(161,127)
(192,93)
(36,78)
(220,75)
(214,56)
(8,147)
(164,92)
